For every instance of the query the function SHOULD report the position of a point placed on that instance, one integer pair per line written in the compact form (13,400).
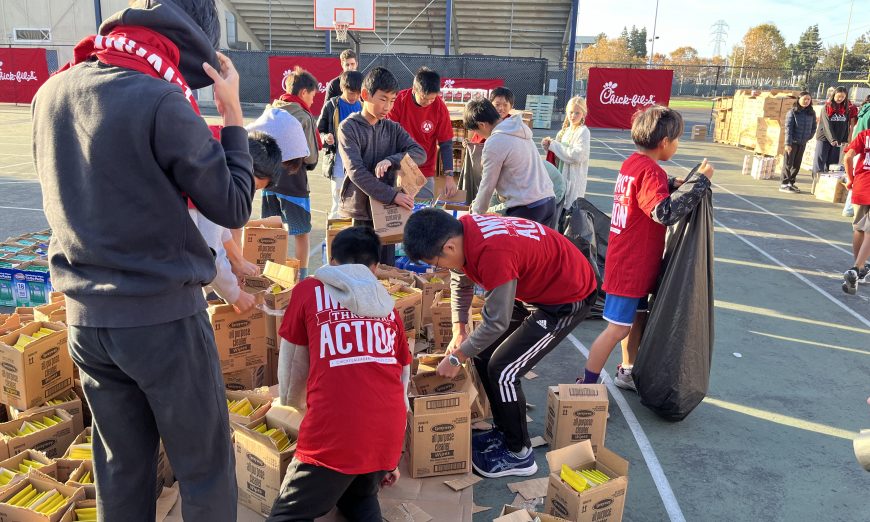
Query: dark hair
(380,79)
(350,81)
(292,166)
(502,92)
(480,111)
(797,103)
(427,231)
(867,99)
(266,154)
(346,54)
(203,12)
(652,125)
(836,91)
(300,80)
(356,246)
(427,81)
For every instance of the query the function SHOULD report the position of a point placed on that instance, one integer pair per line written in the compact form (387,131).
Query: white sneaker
(623,379)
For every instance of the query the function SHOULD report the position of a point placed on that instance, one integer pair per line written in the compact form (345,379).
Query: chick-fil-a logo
(609,97)
(17,76)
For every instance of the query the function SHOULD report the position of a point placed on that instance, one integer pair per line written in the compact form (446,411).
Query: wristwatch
(453,360)
(448,173)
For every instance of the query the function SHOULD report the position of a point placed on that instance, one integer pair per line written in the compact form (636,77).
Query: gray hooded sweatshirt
(512,167)
(356,288)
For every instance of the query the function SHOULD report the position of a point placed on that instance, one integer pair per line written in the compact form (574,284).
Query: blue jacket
(800,126)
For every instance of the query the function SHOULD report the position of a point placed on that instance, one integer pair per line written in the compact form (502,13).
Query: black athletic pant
(388,252)
(792,164)
(309,492)
(542,213)
(826,155)
(533,333)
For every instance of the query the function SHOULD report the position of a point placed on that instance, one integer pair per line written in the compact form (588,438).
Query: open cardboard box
(516,514)
(49,466)
(52,441)
(425,283)
(41,483)
(240,338)
(68,401)
(264,240)
(86,468)
(408,306)
(260,405)
(604,503)
(333,227)
(41,371)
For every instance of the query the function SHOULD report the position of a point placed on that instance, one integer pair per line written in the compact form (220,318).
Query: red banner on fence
(22,73)
(614,95)
(324,69)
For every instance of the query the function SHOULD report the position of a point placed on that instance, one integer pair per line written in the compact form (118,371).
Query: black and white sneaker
(795,189)
(864,275)
(850,281)
(785,188)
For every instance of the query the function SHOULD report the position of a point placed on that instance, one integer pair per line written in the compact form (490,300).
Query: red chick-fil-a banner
(464,89)
(614,95)
(22,73)
(323,69)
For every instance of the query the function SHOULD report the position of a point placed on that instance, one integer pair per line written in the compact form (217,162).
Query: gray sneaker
(624,379)
(850,281)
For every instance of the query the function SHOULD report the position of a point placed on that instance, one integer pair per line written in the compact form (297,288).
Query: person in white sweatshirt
(512,166)
(571,147)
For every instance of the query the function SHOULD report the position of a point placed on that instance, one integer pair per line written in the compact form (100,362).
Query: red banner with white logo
(614,95)
(464,89)
(324,69)
(22,73)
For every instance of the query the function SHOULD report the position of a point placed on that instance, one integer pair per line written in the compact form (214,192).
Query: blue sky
(689,22)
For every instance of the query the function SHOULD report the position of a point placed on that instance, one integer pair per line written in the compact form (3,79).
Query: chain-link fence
(523,76)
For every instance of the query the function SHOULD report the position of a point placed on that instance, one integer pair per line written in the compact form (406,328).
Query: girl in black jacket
(833,130)
(800,125)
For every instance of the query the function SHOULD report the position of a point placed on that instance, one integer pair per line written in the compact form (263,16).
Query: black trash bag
(672,370)
(583,223)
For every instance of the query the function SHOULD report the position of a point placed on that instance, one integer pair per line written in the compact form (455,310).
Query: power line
(720,36)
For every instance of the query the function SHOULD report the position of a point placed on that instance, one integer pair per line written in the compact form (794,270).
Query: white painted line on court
(16,165)
(19,182)
(22,208)
(672,506)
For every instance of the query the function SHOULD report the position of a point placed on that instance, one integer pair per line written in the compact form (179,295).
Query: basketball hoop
(341,30)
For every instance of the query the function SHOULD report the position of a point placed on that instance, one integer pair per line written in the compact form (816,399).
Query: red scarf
(292,98)
(836,108)
(136,48)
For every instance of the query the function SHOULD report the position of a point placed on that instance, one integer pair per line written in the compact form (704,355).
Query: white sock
(523,453)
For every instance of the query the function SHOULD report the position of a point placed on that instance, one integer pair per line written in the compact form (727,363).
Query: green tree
(624,36)
(763,46)
(804,56)
(857,59)
(637,42)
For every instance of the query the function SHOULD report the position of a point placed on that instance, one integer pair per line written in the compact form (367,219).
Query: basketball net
(341,31)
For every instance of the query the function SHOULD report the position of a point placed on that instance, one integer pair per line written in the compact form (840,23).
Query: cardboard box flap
(575,456)
(11,338)
(441,402)
(284,275)
(285,417)
(612,462)
(582,392)
(410,178)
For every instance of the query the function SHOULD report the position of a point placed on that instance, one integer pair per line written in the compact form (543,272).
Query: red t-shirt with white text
(861,174)
(356,418)
(548,268)
(429,126)
(636,245)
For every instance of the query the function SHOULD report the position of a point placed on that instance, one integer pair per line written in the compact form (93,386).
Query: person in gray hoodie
(117,179)
(512,166)
(341,327)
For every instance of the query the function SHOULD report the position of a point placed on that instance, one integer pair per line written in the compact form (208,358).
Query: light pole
(652,47)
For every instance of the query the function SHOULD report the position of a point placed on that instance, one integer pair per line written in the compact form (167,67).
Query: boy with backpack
(335,111)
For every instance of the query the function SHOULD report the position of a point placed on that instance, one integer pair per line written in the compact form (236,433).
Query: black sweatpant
(309,492)
(388,252)
(152,382)
(533,332)
(543,213)
(826,155)
(792,164)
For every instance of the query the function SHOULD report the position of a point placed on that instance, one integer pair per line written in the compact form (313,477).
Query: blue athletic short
(620,310)
(295,212)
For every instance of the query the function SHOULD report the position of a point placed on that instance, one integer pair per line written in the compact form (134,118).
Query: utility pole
(720,36)
(652,47)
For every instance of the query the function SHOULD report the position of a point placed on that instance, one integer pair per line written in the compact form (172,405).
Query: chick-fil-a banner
(464,89)
(614,95)
(324,69)
(22,73)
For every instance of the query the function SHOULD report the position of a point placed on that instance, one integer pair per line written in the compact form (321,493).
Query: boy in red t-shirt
(642,211)
(424,115)
(529,309)
(858,175)
(344,322)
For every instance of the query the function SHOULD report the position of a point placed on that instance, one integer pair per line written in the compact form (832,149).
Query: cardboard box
(32,283)
(240,339)
(41,483)
(442,321)
(9,323)
(69,401)
(576,412)
(246,379)
(480,407)
(42,371)
(408,305)
(260,405)
(273,324)
(409,178)
(49,466)
(262,242)
(54,312)
(394,275)
(70,515)
(75,479)
(333,227)
(284,277)
(52,441)
(425,283)
(516,514)
(260,466)
(389,221)
(439,434)
(604,503)
(830,188)
(271,367)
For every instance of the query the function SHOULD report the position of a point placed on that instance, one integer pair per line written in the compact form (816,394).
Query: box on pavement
(262,242)
(408,305)
(41,483)
(240,338)
(830,188)
(52,440)
(259,406)
(40,371)
(68,401)
(518,514)
(430,284)
(260,466)
(333,227)
(49,466)
(576,412)
(602,503)
(246,379)
(439,425)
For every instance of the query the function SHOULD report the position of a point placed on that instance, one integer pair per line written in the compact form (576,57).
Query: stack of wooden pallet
(754,120)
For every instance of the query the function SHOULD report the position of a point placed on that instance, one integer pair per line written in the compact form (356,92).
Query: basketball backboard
(360,14)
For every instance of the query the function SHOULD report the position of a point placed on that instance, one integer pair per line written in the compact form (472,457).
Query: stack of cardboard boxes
(24,277)
(753,120)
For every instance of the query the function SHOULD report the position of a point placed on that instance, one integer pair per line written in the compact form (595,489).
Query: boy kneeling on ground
(345,323)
